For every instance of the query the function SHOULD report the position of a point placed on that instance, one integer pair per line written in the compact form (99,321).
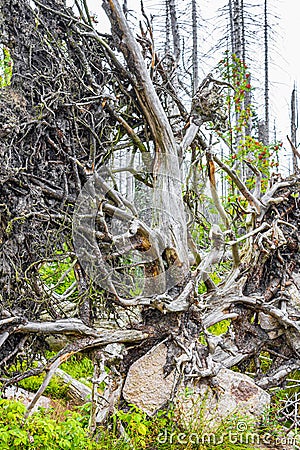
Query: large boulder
(146,385)
(226,395)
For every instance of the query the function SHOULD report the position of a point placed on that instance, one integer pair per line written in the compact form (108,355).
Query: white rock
(25,397)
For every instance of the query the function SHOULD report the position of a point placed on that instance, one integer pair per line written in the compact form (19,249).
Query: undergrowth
(131,429)
(43,431)
(127,430)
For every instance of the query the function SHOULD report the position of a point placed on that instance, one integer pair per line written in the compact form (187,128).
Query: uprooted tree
(99,219)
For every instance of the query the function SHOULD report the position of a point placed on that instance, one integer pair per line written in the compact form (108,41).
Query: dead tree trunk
(175,29)
(266,71)
(294,118)
(195,47)
(237,28)
(169,215)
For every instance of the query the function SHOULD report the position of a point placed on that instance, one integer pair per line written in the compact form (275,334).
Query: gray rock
(232,393)
(25,397)
(146,385)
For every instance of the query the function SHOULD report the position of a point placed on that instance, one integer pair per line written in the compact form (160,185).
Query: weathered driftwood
(77,391)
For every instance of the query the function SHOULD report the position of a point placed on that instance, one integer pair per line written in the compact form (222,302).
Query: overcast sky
(285,55)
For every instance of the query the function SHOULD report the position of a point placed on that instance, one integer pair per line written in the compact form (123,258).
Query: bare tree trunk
(266,94)
(125,8)
(175,29)
(294,116)
(247,100)
(230,8)
(195,47)
(238,50)
(243,35)
(167,32)
(169,213)
(237,28)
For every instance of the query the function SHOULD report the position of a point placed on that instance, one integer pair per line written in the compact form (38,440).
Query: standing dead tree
(294,126)
(76,99)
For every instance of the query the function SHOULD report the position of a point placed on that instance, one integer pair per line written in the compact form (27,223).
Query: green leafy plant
(137,425)
(217,276)
(79,367)
(56,388)
(41,431)
(240,112)
(131,430)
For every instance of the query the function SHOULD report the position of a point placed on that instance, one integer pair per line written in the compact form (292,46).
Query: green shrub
(56,388)
(79,367)
(41,431)
(58,275)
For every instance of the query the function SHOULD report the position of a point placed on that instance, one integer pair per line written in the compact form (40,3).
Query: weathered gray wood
(79,392)
(169,209)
